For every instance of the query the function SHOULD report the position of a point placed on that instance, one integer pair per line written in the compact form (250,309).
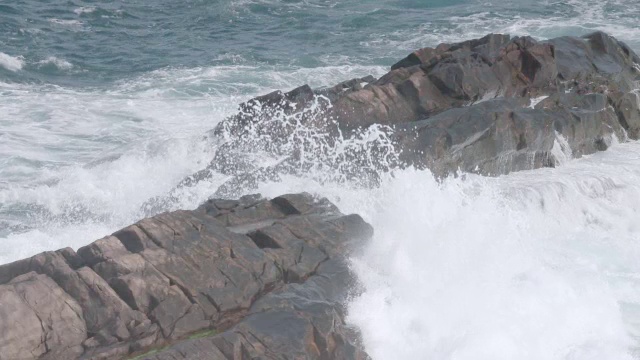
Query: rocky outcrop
(491,105)
(230,280)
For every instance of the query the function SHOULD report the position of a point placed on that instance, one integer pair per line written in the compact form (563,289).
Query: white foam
(572,17)
(100,155)
(515,267)
(535,265)
(66,22)
(11,63)
(88,202)
(536,101)
(61,64)
(23,245)
(561,149)
(84,10)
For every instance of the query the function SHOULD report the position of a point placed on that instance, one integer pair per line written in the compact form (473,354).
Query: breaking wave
(96,134)
(11,63)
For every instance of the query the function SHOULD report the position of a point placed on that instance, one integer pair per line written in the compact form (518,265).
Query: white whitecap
(61,64)
(84,10)
(64,22)
(11,63)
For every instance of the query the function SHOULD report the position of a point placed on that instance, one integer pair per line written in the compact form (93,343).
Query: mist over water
(105,107)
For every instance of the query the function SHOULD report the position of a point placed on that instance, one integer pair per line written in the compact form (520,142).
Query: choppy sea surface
(104,106)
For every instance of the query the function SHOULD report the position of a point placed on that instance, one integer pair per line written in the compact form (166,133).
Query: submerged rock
(249,277)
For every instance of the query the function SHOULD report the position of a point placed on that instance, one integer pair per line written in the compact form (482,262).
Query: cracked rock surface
(233,279)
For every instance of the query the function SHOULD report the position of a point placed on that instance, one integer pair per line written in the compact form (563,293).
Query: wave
(92,158)
(539,264)
(85,10)
(535,265)
(65,22)
(11,63)
(58,63)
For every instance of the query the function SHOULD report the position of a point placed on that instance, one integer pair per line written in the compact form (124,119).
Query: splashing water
(535,265)
(302,141)
(82,164)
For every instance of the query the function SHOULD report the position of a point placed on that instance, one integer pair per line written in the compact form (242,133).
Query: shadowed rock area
(490,106)
(233,279)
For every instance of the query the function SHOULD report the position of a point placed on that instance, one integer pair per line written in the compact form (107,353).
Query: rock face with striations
(252,278)
(491,106)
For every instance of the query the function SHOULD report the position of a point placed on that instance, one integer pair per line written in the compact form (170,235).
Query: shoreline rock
(257,277)
(489,106)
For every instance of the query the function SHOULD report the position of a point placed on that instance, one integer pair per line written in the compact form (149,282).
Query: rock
(486,46)
(101,307)
(104,249)
(627,107)
(464,106)
(167,277)
(499,136)
(39,319)
(296,321)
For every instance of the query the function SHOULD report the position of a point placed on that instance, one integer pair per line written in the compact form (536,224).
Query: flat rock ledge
(234,279)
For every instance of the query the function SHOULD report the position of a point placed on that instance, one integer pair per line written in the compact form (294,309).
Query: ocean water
(106,106)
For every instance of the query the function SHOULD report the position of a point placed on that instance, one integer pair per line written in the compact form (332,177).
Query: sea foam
(11,63)
(59,63)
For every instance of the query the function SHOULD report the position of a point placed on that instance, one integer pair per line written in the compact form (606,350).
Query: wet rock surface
(233,279)
(491,105)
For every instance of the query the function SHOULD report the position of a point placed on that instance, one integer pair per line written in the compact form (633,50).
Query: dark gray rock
(229,272)
(499,136)
(298,320)
(464,106)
